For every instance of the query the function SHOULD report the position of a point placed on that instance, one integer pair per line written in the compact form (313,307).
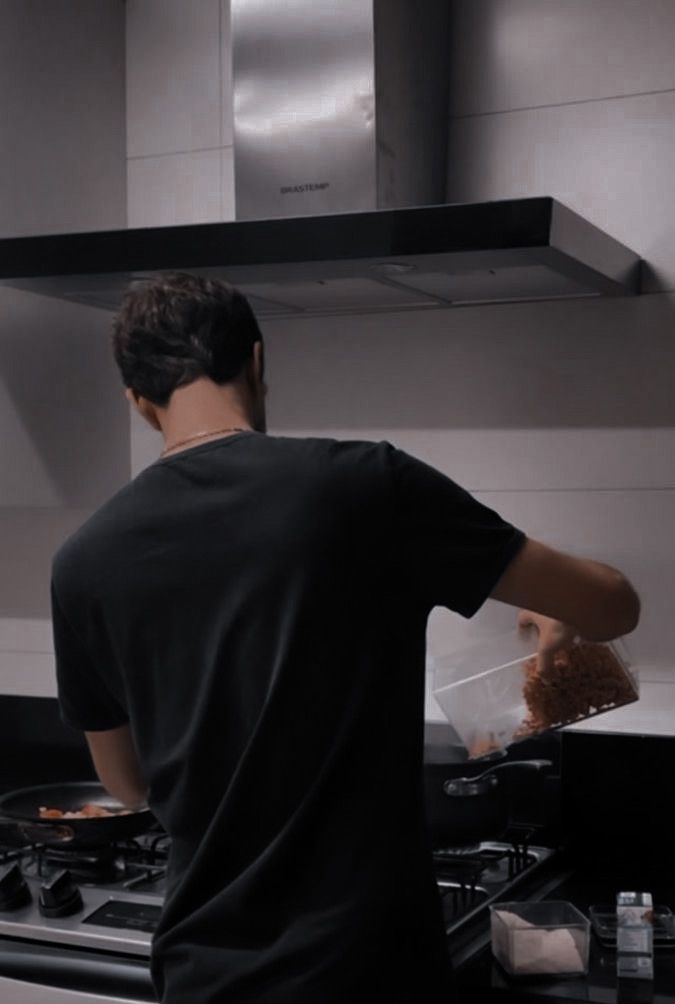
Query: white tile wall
(510,54)
(146,443)
(28,539)
(227,163)
(64,432)
(62,117)
(29,536)
(173,76)
(611,161)
(64,450)
(64,416)
(179,112)
(574,365)
(559,415)
(173,189)
(577,100)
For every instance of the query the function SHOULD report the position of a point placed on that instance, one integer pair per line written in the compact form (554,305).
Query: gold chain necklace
(198,435)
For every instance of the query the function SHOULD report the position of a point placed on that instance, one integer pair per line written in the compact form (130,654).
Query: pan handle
(480,784)
(36,833)
(17,830)
(513,765)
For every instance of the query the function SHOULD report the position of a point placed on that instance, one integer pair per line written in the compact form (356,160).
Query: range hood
(342,155)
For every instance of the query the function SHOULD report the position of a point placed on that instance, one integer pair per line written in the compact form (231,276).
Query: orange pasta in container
(493,694)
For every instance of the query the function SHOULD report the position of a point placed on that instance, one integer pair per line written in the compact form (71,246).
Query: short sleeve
(86,699)
(454,548)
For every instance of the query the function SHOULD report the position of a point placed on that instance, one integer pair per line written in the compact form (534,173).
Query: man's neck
(203,407)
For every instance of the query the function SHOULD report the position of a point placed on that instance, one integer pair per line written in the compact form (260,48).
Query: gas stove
(106,898)
(469,879)
(110,898)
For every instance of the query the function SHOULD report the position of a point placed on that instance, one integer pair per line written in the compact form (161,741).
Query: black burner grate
(467,876)
(133,863)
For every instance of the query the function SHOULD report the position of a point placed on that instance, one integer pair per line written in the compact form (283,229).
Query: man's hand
(555,638)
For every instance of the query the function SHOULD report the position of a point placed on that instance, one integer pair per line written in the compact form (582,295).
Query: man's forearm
(117,766)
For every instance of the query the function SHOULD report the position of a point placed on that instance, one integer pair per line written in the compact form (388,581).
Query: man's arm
(596,599)
(566,597)
(117,765)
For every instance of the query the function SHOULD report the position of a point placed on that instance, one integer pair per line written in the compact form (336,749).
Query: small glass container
(603,922)
(491,695)
(550,938)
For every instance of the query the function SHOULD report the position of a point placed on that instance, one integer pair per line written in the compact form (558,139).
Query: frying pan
(20,813)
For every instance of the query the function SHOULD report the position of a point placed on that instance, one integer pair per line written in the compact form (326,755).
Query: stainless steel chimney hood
(341,146)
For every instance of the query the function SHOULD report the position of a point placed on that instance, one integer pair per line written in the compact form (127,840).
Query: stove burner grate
(135,862)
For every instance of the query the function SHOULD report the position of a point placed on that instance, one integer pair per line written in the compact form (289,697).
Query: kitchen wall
(577,100)
(61,116)
(64,446)
(558,415)
(179,112)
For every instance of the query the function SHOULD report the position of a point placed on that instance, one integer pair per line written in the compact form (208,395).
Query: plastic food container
(603,922)
(540,939)
(493,697)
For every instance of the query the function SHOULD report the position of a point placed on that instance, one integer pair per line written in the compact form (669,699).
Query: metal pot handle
(481,783)
(512,764)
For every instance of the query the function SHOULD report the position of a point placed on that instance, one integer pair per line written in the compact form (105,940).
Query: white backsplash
(561,416)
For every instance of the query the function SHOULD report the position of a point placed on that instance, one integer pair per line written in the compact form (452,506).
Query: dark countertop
(584,884)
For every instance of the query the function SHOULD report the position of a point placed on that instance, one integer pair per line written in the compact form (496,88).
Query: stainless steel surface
(28,922)
(128,872)
(304,107)
(338,107)
(115,966)
(501,871)
(341,140)
(21,992)
(462,786)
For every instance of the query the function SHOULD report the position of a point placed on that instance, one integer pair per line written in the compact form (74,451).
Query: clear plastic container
(551,938)
(491,695)
(603,922)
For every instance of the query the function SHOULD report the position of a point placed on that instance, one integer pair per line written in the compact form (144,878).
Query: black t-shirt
(255,607)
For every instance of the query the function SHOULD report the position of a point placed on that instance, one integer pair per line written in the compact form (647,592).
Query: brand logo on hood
(311,186)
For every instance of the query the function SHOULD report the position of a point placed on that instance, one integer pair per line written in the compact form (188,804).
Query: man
(240,632)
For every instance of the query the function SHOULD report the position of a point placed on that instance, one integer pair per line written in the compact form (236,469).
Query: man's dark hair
(173,329)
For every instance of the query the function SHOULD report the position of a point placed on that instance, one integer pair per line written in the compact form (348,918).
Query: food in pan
(88,811)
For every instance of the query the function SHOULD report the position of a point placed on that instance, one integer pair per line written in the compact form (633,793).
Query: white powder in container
(530,949)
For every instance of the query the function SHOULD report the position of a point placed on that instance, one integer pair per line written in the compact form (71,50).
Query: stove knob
(14,891)
(60,896)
